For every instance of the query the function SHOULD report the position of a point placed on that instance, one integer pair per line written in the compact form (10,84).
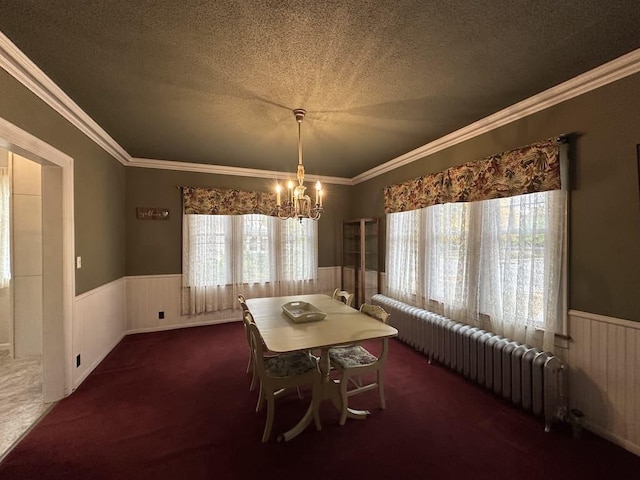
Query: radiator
(526,376)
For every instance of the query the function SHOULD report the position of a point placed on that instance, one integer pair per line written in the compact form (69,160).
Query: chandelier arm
(298,205)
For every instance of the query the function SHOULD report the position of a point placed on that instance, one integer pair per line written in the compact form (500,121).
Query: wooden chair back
(344,296)
(374,311)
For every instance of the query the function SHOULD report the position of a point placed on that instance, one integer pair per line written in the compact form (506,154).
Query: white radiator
(526,376)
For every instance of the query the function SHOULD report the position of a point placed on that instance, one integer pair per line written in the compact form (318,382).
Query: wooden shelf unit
(361,262)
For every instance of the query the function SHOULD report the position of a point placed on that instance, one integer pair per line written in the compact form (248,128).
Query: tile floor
(20,397)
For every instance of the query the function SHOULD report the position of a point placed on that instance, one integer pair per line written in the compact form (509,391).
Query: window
(207,253)
(257,255)
(299,249)
(403,247)
(448,238)
(497,261)
(257,240)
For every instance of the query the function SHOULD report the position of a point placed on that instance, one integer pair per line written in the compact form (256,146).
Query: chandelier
(297,204)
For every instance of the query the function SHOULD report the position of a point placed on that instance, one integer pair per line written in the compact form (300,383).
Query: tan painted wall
(5,293)
(98,184)
(604,251)
(604,212)
(27,256)
(155,246)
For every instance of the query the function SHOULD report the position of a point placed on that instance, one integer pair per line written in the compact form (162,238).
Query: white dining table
(341,325)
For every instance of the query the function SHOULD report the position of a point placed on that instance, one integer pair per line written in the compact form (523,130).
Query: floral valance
(534,168)
(218,201)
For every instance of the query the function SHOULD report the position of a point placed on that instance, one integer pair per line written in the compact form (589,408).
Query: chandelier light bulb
(297,204)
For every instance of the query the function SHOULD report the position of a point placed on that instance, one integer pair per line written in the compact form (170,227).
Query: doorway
(57,252)
(21,401)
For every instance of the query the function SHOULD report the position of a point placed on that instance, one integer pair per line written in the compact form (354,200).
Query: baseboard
(5,346)
(613,438)
(96,362)
(164,328)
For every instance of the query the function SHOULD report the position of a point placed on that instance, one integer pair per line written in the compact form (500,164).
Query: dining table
(341,325)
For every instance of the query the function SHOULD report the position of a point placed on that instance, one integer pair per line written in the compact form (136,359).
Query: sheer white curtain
(428,258)
(405,242)
(298,256)
(448,272)
(256,255)
(5,228)
(494,263)
(522,256)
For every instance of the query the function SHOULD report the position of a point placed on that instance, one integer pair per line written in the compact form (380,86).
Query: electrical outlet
(160,315)
(77,360)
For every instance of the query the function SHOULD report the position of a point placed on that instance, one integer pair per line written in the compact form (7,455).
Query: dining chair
(280,372)
(243,303)
(343,296)
(354,361)
(247,317)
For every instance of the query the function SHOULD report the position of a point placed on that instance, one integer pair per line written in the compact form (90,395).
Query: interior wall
(5,293)
(604,212)
(5,316)
(154,247)
(604,224)
(27,256)
(99,184)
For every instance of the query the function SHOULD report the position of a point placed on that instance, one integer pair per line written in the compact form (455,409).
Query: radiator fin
(519,373)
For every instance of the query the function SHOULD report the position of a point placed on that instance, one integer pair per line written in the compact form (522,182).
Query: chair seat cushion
(349,357)
(289,364)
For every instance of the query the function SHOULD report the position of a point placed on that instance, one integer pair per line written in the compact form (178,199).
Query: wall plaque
(149,213)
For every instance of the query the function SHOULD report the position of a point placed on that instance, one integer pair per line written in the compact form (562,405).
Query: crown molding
(23,143)
(226,170)
(18,65)
(607,73)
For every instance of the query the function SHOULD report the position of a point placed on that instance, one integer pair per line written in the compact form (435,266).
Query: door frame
(57,344)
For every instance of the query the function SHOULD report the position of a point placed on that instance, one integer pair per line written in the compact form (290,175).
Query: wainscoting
(98,325)
(604,377)
(147,295)
(603,356)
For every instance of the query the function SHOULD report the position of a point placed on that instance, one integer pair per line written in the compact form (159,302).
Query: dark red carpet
(176,405)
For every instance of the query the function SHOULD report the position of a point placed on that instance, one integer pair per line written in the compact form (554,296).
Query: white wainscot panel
(98,326)
(604,381)
(148,295)
(151,296)
(328,279)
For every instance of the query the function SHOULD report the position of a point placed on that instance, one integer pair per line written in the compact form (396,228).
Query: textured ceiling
(215,82)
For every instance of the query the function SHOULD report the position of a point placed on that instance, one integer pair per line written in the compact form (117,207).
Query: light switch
(78,262)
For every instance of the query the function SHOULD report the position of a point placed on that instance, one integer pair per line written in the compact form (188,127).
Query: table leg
(300,426)
(328,389)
